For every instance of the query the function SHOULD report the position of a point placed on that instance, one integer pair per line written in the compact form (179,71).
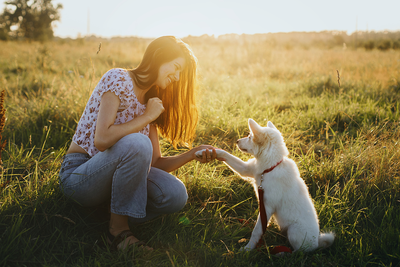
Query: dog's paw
(244,249)
(199,154)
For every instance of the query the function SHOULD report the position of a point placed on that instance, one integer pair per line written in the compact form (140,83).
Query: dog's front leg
(239,166)
(258,230)
(255,235)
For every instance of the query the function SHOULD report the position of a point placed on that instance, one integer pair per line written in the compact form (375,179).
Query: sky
(154,18)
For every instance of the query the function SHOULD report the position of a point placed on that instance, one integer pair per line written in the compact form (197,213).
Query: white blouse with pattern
(120,83)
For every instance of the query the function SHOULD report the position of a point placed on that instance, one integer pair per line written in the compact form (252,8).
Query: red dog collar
(273,167)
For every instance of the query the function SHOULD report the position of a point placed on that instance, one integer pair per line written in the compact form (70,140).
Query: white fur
(285,194)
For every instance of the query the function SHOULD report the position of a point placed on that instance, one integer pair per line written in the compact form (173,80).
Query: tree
(30,19)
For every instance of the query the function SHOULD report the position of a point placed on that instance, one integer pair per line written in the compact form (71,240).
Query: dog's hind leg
(300,239)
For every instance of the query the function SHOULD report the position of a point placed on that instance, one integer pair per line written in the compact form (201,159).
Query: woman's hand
(208,155)
(154,108)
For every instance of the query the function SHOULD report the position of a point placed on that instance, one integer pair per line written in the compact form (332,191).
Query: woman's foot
(123,239)
(119,235)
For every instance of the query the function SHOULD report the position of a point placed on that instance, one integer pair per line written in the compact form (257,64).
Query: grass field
(344,139)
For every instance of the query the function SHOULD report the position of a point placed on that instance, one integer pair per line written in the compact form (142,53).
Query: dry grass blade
(230,253)
(172,262)
(65,218)
(2,123)
(99,48)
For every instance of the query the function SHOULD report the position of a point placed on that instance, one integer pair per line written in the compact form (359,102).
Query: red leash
(263,214)
(261,206)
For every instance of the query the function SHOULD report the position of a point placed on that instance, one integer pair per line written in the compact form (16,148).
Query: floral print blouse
(120,83)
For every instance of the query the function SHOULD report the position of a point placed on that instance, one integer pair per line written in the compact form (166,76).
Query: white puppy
(285,193)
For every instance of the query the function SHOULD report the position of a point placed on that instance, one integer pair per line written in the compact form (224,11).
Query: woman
(115,154)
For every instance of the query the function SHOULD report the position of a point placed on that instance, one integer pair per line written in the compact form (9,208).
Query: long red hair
(179,120)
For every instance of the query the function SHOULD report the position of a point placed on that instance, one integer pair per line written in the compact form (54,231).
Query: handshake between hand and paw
(207,154)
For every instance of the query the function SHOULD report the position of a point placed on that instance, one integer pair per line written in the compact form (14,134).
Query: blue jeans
(123,176)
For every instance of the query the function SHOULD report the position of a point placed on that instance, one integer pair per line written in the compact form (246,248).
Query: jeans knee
(178,198)
(138,141)
(136,144)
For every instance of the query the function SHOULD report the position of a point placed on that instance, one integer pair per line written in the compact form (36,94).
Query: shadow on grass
(50,230)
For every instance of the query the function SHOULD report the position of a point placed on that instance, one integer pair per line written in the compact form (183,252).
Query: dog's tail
(325,239)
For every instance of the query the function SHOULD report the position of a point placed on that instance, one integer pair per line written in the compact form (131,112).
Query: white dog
(285,193)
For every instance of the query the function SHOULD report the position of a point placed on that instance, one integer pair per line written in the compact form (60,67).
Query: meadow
(343,134)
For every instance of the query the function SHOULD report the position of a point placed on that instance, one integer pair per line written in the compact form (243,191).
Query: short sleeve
(116,81)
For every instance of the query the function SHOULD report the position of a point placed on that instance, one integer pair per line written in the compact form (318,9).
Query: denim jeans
(123,175)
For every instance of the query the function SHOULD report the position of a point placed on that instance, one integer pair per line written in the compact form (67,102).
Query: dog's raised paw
(199,154)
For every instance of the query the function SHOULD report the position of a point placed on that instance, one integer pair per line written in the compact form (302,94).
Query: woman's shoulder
(116,80)
(116,73)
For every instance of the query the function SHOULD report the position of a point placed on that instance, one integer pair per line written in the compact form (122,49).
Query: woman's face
(169,72)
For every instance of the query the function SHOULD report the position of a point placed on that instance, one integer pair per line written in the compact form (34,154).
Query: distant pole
(356,31)
(88,22)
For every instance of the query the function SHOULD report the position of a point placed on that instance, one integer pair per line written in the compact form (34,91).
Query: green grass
(345,141)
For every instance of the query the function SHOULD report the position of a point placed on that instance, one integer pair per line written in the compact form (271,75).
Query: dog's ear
(254,127)
(271,125)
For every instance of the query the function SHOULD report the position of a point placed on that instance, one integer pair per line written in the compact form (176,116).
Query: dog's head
(263,141)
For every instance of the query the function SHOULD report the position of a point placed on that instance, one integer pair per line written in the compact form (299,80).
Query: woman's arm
(107,133)
(172,163)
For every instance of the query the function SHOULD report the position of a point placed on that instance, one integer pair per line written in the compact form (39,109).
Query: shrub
(385,45)
(369,45)
(396,44)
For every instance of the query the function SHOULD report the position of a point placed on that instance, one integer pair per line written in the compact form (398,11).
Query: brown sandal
(114,241)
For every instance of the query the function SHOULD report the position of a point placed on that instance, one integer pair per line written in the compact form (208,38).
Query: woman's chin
(164,86)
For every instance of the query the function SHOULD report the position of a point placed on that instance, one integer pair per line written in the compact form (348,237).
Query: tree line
(28,19)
